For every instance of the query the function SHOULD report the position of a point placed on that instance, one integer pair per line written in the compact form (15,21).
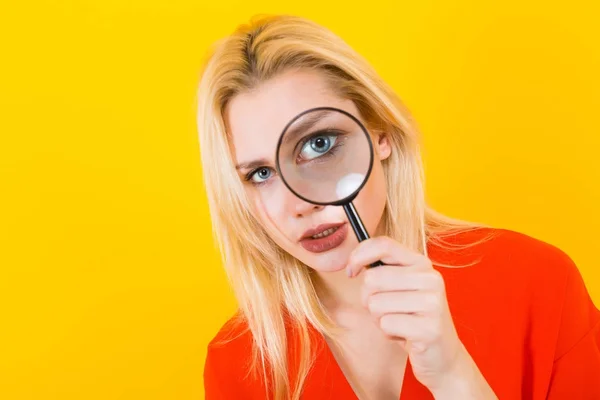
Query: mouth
(324,237)
(320,231)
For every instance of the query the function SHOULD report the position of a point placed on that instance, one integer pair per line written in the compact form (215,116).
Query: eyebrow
(252,164)
(304,125)
(290,135)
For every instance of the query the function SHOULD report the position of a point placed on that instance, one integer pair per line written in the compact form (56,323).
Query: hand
(407,296)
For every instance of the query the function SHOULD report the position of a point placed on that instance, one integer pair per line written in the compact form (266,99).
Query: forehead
(256,119)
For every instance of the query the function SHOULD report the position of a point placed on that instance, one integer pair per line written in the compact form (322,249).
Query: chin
(331,261)
(327,267)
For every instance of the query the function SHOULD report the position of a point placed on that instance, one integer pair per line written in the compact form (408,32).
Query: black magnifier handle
(357,225)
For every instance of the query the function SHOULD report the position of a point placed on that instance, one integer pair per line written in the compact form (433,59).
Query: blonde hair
(271,286)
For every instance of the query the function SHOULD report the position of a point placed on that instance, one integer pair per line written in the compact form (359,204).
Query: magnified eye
(317,146)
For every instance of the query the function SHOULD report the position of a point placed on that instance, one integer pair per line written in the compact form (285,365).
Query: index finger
(380,248)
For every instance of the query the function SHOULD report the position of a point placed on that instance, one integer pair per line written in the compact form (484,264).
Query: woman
(457,311)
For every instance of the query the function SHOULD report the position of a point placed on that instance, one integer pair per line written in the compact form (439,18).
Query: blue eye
(260,175)
(317,146)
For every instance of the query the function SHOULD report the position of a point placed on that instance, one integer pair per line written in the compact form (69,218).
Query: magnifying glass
(325,156)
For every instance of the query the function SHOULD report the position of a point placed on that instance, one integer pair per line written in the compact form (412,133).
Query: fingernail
(349,272)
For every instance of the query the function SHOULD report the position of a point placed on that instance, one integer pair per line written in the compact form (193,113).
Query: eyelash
(322,132)
(326,132)
(331,152)
(250,174)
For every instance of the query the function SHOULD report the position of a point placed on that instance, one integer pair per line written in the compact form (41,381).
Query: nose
(302,208)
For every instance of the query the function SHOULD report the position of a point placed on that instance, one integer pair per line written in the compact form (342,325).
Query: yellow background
(109,285)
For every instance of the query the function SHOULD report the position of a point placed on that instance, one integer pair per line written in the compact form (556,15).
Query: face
(319,236)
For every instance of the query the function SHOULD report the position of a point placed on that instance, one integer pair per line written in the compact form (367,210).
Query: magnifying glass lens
(325,156)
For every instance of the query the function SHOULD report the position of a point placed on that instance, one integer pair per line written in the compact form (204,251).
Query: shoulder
(519,283)
(505,255)
(516,283)
(227,367)
(510,268)
(232,339)
(524,313)
(233,335)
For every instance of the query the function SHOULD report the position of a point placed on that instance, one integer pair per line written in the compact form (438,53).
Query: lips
(324,237)
(320,230)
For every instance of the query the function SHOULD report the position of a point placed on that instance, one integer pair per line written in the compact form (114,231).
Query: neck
(338,292)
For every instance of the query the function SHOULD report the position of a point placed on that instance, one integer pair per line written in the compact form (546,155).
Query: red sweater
(523,313)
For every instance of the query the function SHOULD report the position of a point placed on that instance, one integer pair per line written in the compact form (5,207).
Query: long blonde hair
(271,286)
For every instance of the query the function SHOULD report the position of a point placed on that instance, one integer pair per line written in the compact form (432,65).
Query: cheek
(270,210)
(371,200)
